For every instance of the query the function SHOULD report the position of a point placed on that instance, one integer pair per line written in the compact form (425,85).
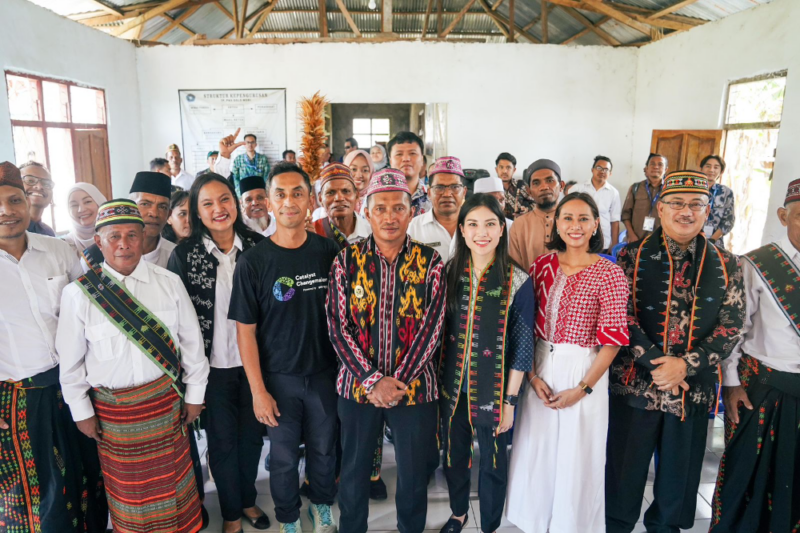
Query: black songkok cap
(542,164)
(251,182)
(152,183)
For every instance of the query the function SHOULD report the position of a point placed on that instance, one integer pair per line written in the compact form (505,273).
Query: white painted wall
(682,82)
(37,41)
(564,103)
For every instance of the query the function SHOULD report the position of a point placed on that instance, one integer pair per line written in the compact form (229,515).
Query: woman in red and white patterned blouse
(557,472)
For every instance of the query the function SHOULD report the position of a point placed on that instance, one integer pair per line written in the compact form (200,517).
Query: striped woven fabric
(145,458)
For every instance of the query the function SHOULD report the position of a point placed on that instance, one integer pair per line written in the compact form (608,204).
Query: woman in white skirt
(557,471)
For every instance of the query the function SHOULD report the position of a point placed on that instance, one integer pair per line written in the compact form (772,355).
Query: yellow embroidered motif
(364,297)
(411,392)
(414,269)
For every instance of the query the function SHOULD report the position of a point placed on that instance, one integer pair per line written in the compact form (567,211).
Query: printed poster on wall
(208,116)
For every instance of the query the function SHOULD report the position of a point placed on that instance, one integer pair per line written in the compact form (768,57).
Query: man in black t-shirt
(278,302)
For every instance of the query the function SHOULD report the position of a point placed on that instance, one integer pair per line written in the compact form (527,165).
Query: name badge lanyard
(650,197)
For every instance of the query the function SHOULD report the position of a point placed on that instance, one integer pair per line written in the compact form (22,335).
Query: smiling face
(216,207)
(339,198)
(655,169)
(576,224)
(389,214)
(82,208)
(407,158)
(446,201)
(122,246)
(482,231)
(544,187)
(14,214)
(155,211)
(683,225)
(179,220)
(289,197)
(39,190)
(255,203)
(359,169)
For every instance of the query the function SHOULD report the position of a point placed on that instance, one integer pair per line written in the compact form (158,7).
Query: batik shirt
(244,167)
(722,214)
(385,319)
(703,289)
(420,203)
(518,200)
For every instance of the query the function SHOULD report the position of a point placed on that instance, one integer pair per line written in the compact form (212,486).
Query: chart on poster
(207,116)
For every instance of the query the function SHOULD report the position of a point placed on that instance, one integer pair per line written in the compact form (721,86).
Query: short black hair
(719,159)
(505,156)
(352,141)
(604,158)
(405,137)
(285,167)
(158,162)
(652,155)
(250,135)
(283,156)
(596,241)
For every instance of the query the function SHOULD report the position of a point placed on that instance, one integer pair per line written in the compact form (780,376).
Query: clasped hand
(670,374)
(387,392)
(562,400)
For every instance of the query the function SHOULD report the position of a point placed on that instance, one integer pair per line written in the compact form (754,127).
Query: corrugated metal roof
(299,19)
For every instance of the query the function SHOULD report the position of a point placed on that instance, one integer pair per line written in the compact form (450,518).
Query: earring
(595,232)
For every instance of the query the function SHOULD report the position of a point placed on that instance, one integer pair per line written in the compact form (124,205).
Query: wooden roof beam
(606,9)
(427,18)
(532,23)
(592,27)
(176,23)
(505,21)
(671,9)
(323,19)
(265,10)
(148,15)
(386,16)
(490,12)
(458,18)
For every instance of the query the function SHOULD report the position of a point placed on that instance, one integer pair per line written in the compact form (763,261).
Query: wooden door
(90,149)
(685,149)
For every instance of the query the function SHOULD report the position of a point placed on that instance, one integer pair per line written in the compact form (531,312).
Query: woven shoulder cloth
(133,319)
(782,277)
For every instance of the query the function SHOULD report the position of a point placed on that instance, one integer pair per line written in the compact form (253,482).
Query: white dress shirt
(184,180)
(253,225)
(361,231)
(29,305)
(767,334)
(608,204)
(95,353)
(160,256)
(224,347)
(427,230)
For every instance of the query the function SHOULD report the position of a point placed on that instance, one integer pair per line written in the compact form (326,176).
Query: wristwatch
(511,399)
(586,388)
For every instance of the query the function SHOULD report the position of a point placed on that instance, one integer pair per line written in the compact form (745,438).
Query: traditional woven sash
(325,228)
(780,274)
(133,319)
(477,333)
(93,256)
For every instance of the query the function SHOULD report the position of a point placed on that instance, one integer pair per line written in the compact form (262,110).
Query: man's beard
(258,224)
(546,206)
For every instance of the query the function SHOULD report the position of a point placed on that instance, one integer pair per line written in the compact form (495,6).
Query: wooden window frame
(43,124)
(751,125)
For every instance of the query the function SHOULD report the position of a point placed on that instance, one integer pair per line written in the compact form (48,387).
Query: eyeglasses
(455,188)
(679,206)
(602,169)
(33,180)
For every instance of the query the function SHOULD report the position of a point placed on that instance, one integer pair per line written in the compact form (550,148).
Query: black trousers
(414,431)
(307,405)
(234,440)
(493,474)
(633,435)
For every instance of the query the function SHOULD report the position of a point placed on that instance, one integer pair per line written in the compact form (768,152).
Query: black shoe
(260,523)
(204,517)
(454,526)
(377,490)
(266,463)
(304,488)
(387,434)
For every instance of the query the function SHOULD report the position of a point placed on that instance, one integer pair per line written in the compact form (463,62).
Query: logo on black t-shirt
(283,290)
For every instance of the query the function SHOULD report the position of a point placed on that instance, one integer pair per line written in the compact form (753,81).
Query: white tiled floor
(383,517)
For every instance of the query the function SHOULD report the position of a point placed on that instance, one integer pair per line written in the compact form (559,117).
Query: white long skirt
(557,470)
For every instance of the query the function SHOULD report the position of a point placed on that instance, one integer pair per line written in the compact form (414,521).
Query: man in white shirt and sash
(49,473)
(151,192)
(758,481)
(134,374)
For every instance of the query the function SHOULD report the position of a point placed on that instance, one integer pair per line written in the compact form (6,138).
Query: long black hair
(176,200)
(198,229)
(595,241)
(460,259)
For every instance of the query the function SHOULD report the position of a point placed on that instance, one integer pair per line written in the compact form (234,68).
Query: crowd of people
(250,302)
